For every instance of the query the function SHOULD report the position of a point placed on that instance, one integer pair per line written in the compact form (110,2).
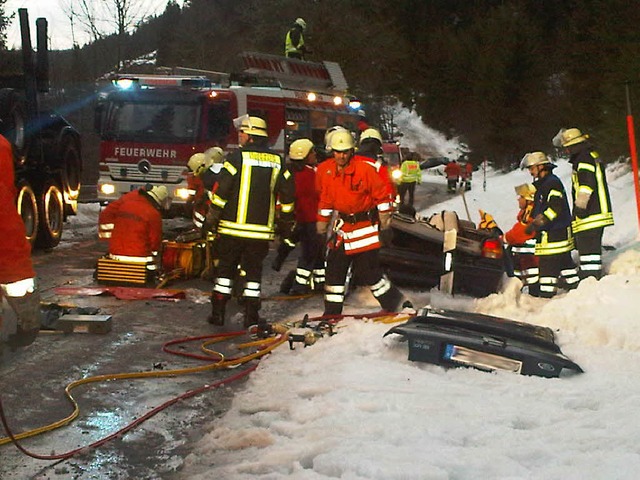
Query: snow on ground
(353,407)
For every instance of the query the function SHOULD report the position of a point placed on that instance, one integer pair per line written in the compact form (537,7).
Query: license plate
(482,360)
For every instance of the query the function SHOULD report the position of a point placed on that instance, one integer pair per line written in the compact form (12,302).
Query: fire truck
(47,148)
(151,124)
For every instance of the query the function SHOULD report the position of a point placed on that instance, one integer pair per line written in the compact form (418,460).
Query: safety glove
(385,220)
(211,220)
(536,224)
(322,228)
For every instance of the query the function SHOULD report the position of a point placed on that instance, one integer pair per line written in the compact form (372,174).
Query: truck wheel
(28,209)
(51,213)
(71,172)
(13,118)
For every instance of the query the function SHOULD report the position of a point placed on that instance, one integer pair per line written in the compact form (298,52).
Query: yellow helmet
(533,158)
(159,194)
(251,125)
(215,154)
(370,133)
(300,148)
(568,137)
(526,191)
(327,135)
(341,141)
(198,163)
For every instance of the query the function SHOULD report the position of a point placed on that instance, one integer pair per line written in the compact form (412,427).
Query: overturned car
(421,253)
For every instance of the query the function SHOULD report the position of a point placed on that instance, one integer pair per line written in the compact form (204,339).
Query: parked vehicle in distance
(415,255)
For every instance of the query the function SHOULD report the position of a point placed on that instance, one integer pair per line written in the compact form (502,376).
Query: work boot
(218,307)
(28,319)
(251,315)
(299,289)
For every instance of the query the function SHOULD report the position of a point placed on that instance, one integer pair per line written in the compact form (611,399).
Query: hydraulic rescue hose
(263,346)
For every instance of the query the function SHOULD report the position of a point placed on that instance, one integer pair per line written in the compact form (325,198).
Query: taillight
(492,248)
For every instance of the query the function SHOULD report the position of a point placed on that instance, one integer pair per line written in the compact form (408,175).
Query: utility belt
(371,215)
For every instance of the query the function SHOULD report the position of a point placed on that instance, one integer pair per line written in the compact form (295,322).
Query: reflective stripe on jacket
(411,172)
(249,184)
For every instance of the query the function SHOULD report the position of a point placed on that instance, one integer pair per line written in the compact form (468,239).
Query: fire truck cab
(151,124)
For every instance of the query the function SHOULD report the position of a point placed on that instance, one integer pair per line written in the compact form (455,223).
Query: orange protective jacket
(517,234)
(357,193)
(132,224)
(15,253)
(452,170)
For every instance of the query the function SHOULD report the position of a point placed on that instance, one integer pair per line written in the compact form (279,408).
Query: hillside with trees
(503,75)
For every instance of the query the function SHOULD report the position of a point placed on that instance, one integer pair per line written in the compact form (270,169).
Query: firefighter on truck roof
(17,277)
(243,213)
(356,192)
(133,226)
(294,46)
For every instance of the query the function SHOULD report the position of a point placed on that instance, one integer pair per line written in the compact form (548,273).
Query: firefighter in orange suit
(133,226)
(452,171)
(17,277)
(522,245)
(243,213)
(356,192)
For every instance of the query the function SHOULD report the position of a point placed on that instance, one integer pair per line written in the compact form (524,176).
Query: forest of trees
(503,75)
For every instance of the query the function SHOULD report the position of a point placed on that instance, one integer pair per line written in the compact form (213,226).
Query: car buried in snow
(415,255)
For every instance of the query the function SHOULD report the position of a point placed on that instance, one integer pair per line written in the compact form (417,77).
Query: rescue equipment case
(452,338)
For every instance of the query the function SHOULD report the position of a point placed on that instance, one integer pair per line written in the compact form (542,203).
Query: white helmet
(198,163)
(341,141)
(159,194)
(370,133)
(300,22)
(568,136)
(534,158)
(216,154)
(300,148)
(330,131)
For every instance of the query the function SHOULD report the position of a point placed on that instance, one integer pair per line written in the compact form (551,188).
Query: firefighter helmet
(534,158)
(569,136)
(370,133)
(301,23)
(159,194)
(251,125)
(215,154)
(327,135)
(341,141)
(526,191)
(198,163)
(300,148)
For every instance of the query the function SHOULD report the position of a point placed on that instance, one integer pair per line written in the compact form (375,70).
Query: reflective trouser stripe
(570,276)
(318,275)
(303,276)
(381,287)
(334,293)
(251,290)
(223,286)
(548,286)
(591,263)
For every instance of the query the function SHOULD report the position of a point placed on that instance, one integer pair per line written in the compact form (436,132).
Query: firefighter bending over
(133,226)
(203,169)
(243,213)
(357,193)
(17,278)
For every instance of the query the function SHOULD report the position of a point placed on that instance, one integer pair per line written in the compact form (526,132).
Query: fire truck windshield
(154,122)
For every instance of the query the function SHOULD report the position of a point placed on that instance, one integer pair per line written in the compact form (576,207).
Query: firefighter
(243,213)
(355,191)
(18,286)
(520,244)
(203,169)
(133,226)
(310,271)
(452,172)
(294,46)
(370,151)
(591,201)
(467,174)
(411,176)
(552,226)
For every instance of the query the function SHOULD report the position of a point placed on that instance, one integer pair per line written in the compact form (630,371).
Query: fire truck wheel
(13,118)
(28,209)
(71,174)
(51,213)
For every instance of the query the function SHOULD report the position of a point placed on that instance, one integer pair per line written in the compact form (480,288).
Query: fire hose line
(263,347)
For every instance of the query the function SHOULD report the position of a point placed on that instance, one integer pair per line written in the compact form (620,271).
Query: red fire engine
(151,124)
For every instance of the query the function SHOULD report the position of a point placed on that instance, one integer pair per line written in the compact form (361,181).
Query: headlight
(396,174)
(107,188)
(183,193)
